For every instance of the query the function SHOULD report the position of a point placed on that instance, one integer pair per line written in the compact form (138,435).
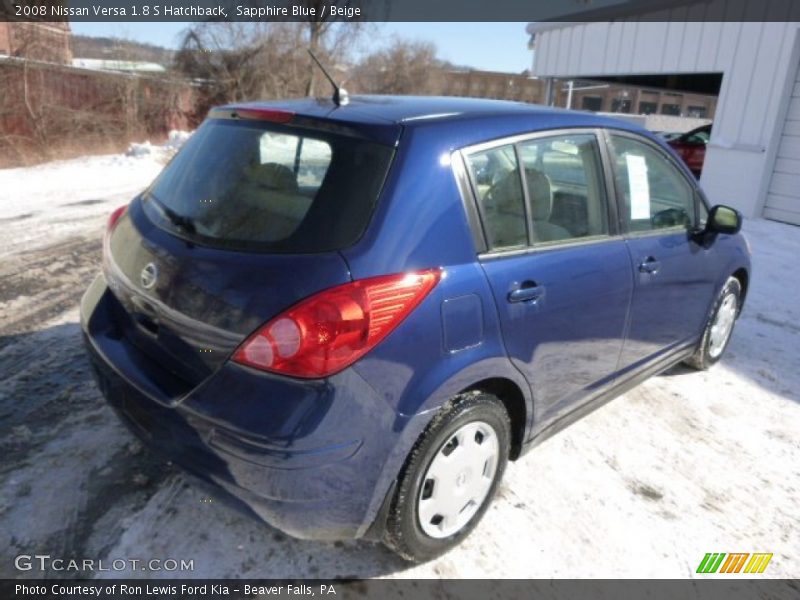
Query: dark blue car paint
(579,320)
(207,299)
(317,458)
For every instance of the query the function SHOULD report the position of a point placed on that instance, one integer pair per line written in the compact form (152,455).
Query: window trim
(682,169)
(479,208)
(474,219)
(482,249)
(526,205)
(548,246)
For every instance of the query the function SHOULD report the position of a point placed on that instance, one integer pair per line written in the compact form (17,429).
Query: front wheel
(719,328)
(449,478)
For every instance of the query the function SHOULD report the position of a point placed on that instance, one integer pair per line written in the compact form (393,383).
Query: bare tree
(404,67)
(247,61)
(329,37)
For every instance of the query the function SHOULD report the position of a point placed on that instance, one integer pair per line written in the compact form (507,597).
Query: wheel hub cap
(722,326)
(458,480)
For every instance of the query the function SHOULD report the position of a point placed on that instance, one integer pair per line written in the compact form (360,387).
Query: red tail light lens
(265,114)
(334,328)
(114,217)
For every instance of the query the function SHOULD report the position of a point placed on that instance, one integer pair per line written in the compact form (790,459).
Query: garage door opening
(685,95)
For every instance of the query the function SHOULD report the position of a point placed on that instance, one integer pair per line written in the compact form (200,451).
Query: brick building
(605,96)
(48,42)
(601,96)
(492,84)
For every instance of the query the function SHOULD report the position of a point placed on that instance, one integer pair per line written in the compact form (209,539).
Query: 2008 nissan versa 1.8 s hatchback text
(351,317)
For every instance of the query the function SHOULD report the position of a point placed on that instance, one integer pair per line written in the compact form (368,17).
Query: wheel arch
(495,375)
(513,399)
(743,276)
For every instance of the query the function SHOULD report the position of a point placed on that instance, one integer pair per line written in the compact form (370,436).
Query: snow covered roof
(99,64)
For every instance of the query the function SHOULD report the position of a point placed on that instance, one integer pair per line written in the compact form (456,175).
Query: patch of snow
(175,140)
(42,203)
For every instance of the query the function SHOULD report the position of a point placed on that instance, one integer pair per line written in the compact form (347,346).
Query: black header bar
(398,10)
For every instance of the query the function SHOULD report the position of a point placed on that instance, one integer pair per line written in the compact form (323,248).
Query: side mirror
(723,219)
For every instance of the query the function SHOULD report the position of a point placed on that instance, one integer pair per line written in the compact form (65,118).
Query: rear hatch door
(245,221)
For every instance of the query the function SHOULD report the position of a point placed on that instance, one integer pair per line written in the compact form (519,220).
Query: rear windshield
(269,187)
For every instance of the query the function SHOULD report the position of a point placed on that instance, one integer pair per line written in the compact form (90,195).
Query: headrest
(273,176)
(541,194)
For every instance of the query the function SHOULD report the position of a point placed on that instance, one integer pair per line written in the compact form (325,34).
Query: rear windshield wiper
(179,221)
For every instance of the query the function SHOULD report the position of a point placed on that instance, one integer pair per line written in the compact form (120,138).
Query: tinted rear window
(269,187)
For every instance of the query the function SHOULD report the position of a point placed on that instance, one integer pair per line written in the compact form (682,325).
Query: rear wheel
(449,478)
(719,328)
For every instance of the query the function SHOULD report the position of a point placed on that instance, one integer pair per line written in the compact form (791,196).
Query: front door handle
(529,290)
(649,265)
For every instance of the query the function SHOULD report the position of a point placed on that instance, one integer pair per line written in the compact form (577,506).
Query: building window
(698,112)
(671,109)
(648,108)
(620,105)
(594,103)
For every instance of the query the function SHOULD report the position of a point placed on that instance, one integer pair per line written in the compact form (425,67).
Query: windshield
(269,187)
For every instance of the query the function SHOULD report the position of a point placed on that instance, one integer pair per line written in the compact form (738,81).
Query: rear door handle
(529,290)
(649,265)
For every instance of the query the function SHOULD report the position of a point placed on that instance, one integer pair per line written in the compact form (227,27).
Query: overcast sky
(489,46)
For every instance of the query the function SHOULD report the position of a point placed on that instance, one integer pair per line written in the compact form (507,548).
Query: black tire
(403,533)
(702,358)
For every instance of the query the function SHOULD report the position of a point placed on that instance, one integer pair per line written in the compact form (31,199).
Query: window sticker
(638,186)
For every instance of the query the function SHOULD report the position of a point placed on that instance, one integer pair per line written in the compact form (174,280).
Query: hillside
(118,49)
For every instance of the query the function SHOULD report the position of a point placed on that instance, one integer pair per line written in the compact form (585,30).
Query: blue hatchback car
(351,317)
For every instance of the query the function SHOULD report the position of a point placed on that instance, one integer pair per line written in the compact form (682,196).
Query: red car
(692,147)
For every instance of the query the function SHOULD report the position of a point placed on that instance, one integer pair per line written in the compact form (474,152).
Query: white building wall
(758,61)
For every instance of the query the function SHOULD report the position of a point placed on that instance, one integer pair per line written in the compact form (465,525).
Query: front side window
(655,194)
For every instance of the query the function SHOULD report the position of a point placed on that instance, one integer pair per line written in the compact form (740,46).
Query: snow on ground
(175,140)
(685,464)
(55,200)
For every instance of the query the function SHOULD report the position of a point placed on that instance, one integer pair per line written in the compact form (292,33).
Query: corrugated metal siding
(783,193)
(755,58)
(751,55)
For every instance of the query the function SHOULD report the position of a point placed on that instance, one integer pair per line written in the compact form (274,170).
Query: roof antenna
(340,96)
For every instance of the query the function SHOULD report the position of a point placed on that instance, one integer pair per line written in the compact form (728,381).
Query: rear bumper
(305,456)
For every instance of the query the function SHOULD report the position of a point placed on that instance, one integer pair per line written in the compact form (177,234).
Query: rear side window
(267,187)
(562,197)
(499,191)
(655,194)
(566,194)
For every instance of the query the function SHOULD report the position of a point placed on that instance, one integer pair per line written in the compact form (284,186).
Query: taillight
(331,330)
(114,217)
